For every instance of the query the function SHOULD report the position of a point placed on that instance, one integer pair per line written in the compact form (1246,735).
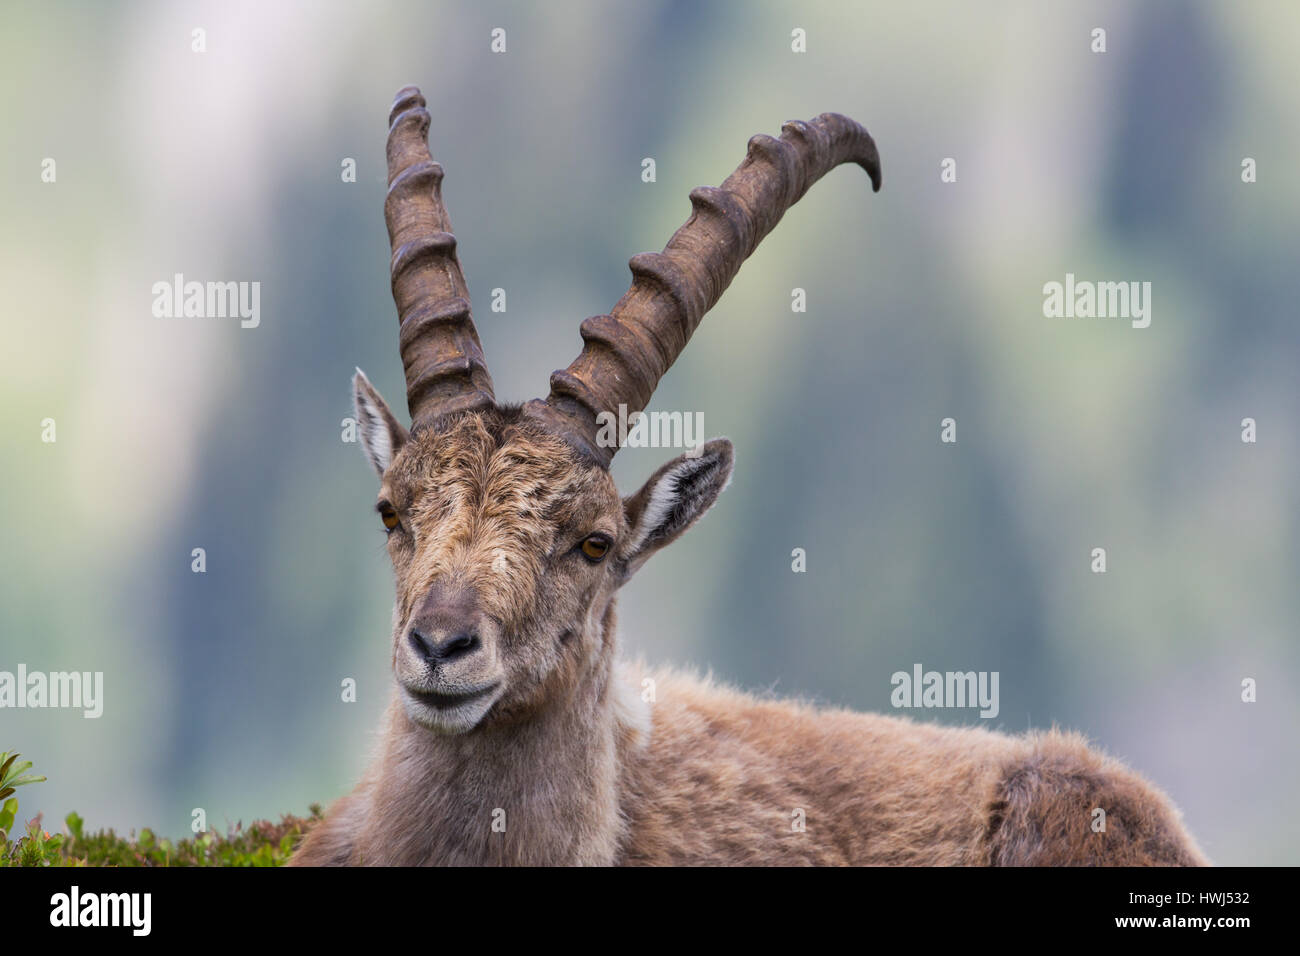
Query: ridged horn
(627,352)
(445,369)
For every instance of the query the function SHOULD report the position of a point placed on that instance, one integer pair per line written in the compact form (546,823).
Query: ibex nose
(440,646)
(445,626)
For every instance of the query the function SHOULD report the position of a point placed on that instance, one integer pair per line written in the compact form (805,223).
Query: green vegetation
(259,844)
(12,777)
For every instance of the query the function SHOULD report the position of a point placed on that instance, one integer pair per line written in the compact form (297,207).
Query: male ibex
(513,736)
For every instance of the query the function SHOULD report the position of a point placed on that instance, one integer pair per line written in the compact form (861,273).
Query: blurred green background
(924,302)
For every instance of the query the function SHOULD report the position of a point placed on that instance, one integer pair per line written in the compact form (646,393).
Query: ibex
(514,736)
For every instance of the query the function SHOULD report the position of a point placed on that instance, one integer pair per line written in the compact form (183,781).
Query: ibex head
(507,535)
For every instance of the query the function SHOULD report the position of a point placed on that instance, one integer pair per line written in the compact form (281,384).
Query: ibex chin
(514,736)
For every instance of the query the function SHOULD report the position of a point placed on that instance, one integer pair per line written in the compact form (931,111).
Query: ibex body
(514,734)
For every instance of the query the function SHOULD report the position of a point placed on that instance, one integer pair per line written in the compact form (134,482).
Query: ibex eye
(595,547)
(389,517)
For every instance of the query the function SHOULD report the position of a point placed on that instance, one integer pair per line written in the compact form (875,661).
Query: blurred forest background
(925,301)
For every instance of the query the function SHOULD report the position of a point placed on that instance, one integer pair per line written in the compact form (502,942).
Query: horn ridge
(627,352)
(441,353)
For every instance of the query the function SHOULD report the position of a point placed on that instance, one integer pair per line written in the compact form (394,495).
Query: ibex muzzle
(448,664)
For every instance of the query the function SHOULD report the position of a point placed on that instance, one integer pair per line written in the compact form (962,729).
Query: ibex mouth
(443,701)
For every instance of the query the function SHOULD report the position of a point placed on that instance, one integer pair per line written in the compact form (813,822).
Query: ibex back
(514,735)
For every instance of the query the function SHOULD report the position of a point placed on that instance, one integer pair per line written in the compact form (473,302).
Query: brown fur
(589,771)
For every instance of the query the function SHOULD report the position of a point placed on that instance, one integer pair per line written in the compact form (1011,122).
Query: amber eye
(595,547)
(388,516)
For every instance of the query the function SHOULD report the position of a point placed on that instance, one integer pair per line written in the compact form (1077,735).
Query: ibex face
(507,535)
(508,549)
(497,603)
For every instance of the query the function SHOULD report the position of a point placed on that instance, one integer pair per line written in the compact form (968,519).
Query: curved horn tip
(868,156)
(407,98)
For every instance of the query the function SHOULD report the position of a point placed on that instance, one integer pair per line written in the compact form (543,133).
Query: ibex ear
(675,497)
(381,434)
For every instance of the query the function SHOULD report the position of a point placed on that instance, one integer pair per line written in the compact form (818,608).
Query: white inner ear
(375,437)
(662,498)
(379,444)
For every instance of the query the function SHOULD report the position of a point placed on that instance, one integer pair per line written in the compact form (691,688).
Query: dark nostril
(457,646)
(439,652)
(420,645)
